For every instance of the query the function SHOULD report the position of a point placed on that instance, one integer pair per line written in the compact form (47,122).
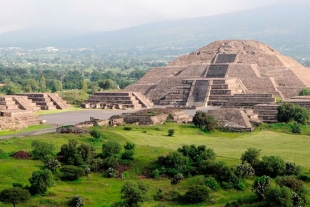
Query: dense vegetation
(180,170)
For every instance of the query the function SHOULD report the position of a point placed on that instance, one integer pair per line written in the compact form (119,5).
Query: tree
(56,86)
(76,201)
(40,181)
(288,112)
(42,84)
(14,196)
(174,163)
(42,150)
(84,85)
(129,151)
(272,166)
(52,164)
(133,194)
(87,153)
(199,119)
(107,84)
(279,196)
(11,88)
(70,154)
(251,156)
(261,185)
(110,148)
(95,133)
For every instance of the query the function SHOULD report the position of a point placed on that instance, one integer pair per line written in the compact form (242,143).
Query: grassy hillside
(151,142)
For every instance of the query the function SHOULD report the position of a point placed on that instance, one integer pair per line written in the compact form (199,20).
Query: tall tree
(14,196)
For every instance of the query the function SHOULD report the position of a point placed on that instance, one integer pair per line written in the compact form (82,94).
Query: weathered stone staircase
(60,104)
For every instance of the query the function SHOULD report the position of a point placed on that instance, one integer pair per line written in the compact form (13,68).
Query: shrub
(129,146)
(196,194)
(305,92)
(42,150)
(173,196)
(110,148)
(260,186)
(288,112)
(128,128)
(292,169)
(174,163)
(161,205)
(127,155)
(171,132)
(96,165)
(40,181)
(70,172)
(76,201)
(197,154)
(155,174)
(177,178)
(110,162)
(212,183)
(295,127)
(69,153)
(272,166)
(95,133)
(251,156)
(52,164)
(111,173)
(75,97)
(245,170)
(199,119)
(279,196)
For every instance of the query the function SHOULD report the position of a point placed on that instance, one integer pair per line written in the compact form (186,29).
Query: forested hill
(279,25)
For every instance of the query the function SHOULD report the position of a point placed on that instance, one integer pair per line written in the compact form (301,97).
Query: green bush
(42,150)
(251,156)
(128,128)
(272,166)
(288,112)
(292,169)
(260,186)
(305,92)
(14,196)
(40,181)
(127,155)
(71,173)
(295,127)
(110,148)
(245,170)
(95,133)
(174,163)
(279,196)
(196,194)
(171,132)
(211,183)
(76,201)
(177,178)
(3,155)
(111,173)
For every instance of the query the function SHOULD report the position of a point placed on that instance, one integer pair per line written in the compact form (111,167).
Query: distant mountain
(281,25)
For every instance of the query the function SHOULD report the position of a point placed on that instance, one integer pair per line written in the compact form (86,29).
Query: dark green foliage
(261,185)
(161,205)
(171,132)
(40,181)
(245,170)
(96,165)
(95,133)
(202,119)
(196,194)
(110,148)
(69,153)
(279,196)
(288,112)
(111,173)
(14,196)
(71,172)
(128,128)
(73,154)
(174,163)
(76,201)
(197,154)
(292,169)
(129,146)
(107,84)
(305,92)
(251,156)
(177,178)
(132,194)
(211,183)
(295,127)
(272,166)
(110,162)
(127,155)
(42,150)
(52,164)
(87,153)
(155,174)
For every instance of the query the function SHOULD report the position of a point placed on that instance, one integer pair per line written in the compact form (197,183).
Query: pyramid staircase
(60,104)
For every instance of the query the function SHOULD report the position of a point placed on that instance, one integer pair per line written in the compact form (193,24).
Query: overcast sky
(104,15)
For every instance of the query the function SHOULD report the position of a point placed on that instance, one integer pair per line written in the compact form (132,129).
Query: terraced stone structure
(217,73)
(17,113)
(47,101)
(117,100)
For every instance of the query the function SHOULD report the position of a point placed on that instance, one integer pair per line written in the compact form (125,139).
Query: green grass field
(151,141)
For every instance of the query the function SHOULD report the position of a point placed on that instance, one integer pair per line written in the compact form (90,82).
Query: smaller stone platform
(117,100)
(303,101)
(249,100)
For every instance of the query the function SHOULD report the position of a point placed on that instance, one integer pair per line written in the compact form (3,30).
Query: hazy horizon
(95,15)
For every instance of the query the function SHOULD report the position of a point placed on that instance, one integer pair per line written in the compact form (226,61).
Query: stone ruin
(16,111)
(117,100)
(47,101)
